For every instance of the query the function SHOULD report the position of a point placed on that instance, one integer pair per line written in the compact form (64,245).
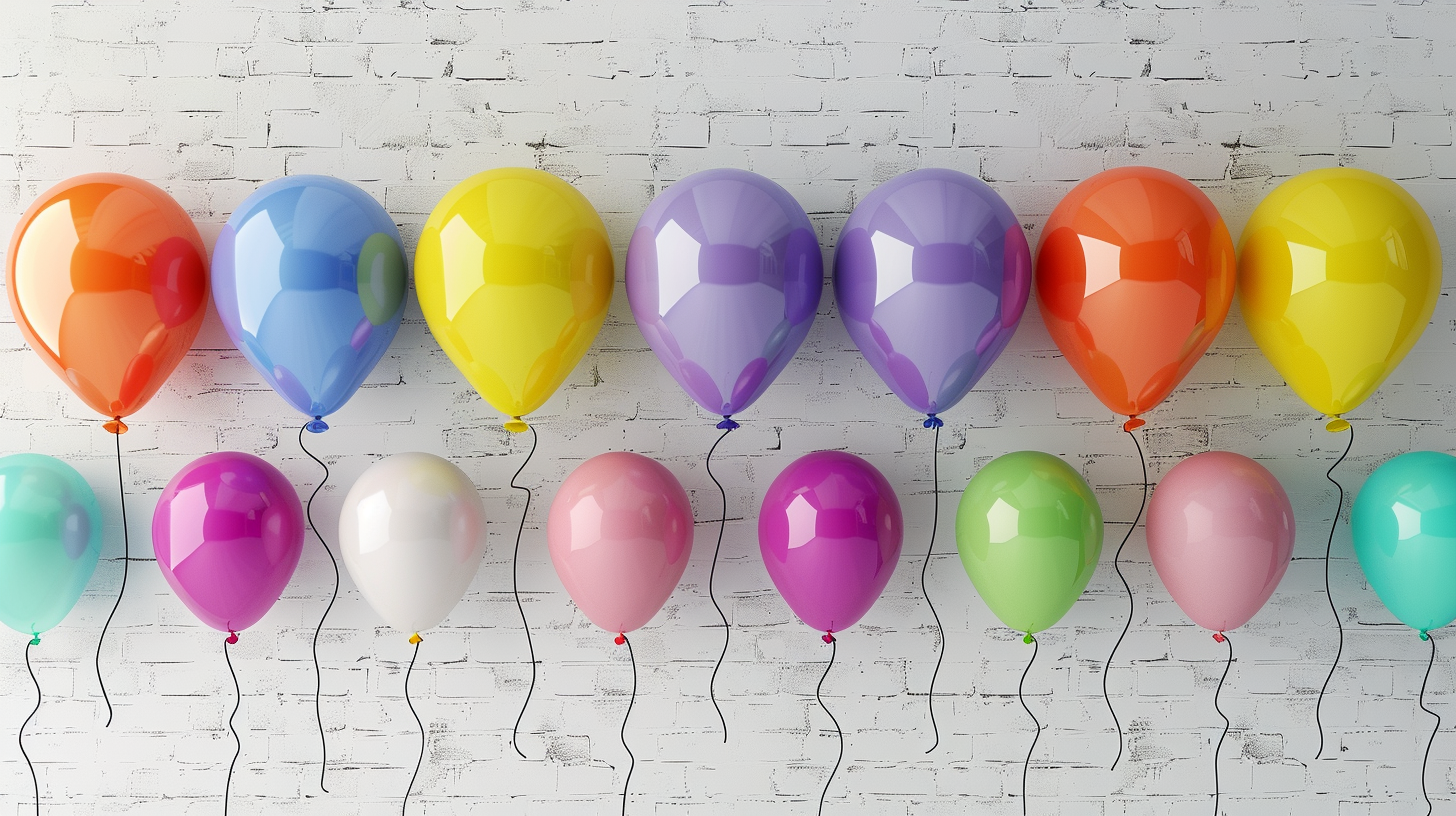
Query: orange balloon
(1134,276)
(107,279)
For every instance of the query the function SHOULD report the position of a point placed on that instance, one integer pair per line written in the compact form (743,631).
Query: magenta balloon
(1221,534)
(228,531)
(830,532)
(620,533)
(931,275)
(724,274)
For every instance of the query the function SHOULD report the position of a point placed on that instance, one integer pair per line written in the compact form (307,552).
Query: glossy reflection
(228,531)
(724,274)
(1404,525)
(107,279)
(309,279)
(1339,274)
(830,532)
(514,274)
(412,533)
(1221,534)
(620,534)
(1134,277)
(1029,532)
(932,273)
(50,540)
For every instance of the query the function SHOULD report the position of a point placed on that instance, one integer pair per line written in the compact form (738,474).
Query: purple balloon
(724,275)
(228,531)
(830,531)
(931,274)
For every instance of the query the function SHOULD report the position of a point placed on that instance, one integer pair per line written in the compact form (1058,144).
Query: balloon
(1221,534)
(514,274)
(228,531)
(1404,525)
(1339,274)
(830,532)
(724,274)
(50,540)
(1134,276)
(309,279)
(620,534)
(107,279)
(931,275)
(1029,532)
(412,532)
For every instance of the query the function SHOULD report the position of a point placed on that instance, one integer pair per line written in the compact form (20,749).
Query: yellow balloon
(514,274)
(1339,271)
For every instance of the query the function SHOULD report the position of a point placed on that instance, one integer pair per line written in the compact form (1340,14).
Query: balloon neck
(932,421)
(1133,423)
(35,638)
(115,426)
(232,637)
(828,637)
(1218,637)
(316,425)
(1337,424)
(1028,638)
(517,425)
(727,424)
(1424,636)
(416,639)
(620,638)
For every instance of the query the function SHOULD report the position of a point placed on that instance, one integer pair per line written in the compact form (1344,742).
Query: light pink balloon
(620,534)
(1221,533)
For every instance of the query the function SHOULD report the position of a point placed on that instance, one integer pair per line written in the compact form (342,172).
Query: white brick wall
(210,98)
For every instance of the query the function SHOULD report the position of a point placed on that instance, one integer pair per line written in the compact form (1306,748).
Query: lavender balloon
(724,275)
(931,275)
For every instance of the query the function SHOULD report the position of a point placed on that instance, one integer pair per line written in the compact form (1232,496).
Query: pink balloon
(830,532)
(1221,534)
(228,531)
(620,532)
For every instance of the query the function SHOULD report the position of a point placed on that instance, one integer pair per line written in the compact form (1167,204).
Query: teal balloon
(1404,525)
(50,540)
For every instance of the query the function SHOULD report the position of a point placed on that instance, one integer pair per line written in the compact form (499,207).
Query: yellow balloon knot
(1336,425)
(115,426)
(517,425)
(415,638)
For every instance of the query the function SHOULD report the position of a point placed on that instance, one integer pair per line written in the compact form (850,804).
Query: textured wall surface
(210,98)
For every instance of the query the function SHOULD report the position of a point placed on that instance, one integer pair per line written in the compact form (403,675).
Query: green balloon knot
(1425,636)
(35,638)
(1028,638)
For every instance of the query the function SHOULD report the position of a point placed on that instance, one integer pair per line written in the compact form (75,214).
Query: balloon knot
(317,425)
(232,636)
(620,638)
(415,638)
(1424,636)
(1218,637)
(932,421)
(517,425)
(1133,423)
(727,424)
(115,426)
(35,638)
(828,637)
(1336,425)
(1028,638)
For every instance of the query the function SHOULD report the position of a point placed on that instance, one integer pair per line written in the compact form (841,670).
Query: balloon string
(238,750)
(818,695)
(125,567)
(631,758)
(1229,641)
(1422,699)
(712,573)
(1021,695)
(421,759)
(925,567)
(317,673)
(1131,608)
(1339,627)
(20,735)
(516,591)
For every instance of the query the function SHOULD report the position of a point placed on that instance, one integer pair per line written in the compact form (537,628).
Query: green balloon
(1029,532)
(50,540)
(1404,525)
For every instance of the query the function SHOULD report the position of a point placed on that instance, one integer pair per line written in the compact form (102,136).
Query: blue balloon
(309,278)
(1404,525)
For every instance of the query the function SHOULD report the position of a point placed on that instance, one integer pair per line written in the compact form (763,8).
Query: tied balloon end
(1218,637)
(115,426)
(35,638)
(1337,424)
(620,638)
(1133,423)
(932,421)
(232,637)
(1424,636)
(316,425)
(517,425)
(828,637)
(415,639)
(1028,639)
(727,424)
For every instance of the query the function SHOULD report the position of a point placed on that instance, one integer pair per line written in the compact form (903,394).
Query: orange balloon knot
(932,421)
(1424,636)
(517,425)
(1336,425)
(1133,423)
(232,637)
(35,638)
(828,637)
(317,425)
(1218,637)
(116,426)
(727,424)
(416,639)
(620,638)
(1028,639)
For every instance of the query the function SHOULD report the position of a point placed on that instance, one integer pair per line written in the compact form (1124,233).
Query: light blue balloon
(50,540)
(309,278)
(1404,524)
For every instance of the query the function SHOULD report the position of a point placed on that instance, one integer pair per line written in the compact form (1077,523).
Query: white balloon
(412,533)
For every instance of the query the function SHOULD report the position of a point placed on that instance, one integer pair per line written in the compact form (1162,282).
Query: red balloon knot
(828,637)
(621,638)
(1218,637)
(1132,424)
(232,637)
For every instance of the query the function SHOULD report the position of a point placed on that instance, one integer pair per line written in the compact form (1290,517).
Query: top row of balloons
(1339,273)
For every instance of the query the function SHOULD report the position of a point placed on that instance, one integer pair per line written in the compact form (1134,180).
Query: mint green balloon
(1029,532)
(1404,525)
(50,540)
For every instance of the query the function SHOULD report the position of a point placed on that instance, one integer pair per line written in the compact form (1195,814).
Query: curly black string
(125,568)
(317,673)
(238,703)
(20,735)
(622,735)
(1021,695)
(1339,627)
(728,426)
(516,592)
(404,805)
(933,422)
(1422,701)
(1131,608)
(1229,662)
(839,732)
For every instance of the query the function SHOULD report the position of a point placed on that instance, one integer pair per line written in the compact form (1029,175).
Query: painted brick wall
(210,98)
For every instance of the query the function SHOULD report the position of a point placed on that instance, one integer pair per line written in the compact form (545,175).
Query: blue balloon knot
(933,421)
(727,425)
(317,425)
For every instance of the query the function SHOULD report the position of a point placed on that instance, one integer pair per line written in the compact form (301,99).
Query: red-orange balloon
(107,278)
(1135,275)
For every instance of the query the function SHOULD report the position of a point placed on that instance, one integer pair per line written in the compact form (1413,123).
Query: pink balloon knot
(828,637)
(1218,637)
(621,638)
(232,637)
